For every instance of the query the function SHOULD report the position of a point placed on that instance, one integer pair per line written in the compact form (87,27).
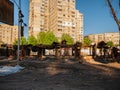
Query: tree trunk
(114,14)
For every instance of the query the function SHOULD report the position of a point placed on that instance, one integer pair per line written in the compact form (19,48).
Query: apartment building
(8,33)
(59,16)
(111,36)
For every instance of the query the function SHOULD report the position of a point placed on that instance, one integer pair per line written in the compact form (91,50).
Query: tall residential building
(59,16)
(8,33)
(111,36)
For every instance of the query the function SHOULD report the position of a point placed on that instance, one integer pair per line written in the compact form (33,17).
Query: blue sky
(97,16)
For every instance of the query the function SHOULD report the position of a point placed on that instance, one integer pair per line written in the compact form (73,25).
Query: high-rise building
(38,14)
(59,16)
(8,33)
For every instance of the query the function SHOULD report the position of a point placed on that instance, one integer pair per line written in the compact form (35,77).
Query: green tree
(68,38)
(46,38)
(50,38)
(1,42)
(23,41)
(87,42)
(32,40)
(41,37)
(110,44)
(15,42)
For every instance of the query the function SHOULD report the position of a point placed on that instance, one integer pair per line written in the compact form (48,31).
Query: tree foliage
(101,44)
(46,38)
(110,44)
(32,40)
(23,41)
(87,41)
(1,42)
(68,38)
(41,37)
(50,38)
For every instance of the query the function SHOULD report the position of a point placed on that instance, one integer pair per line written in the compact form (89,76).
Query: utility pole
(119,29)
(115,16)
(20,21)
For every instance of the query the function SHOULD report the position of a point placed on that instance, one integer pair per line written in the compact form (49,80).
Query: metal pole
(19,31)
(119,37)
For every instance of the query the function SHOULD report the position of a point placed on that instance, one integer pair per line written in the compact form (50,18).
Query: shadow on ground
(61,74)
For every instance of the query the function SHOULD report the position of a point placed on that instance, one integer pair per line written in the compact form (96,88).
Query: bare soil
(52,74)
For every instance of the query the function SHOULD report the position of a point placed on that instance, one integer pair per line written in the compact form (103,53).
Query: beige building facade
(59,16)
(8,33)
(111,36)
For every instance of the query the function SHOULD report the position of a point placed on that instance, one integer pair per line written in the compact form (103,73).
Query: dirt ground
(65,74)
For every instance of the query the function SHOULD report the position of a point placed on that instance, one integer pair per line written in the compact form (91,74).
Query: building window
(73,0)
(59,29)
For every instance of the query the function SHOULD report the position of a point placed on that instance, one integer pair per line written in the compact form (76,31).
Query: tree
(87,42)
(23,41)
(46,38)
(68,38)
(1,42)
(41,37)
(50,38)
(115,16)
(15,42)
(110,44)
(32,40)
(101,45)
